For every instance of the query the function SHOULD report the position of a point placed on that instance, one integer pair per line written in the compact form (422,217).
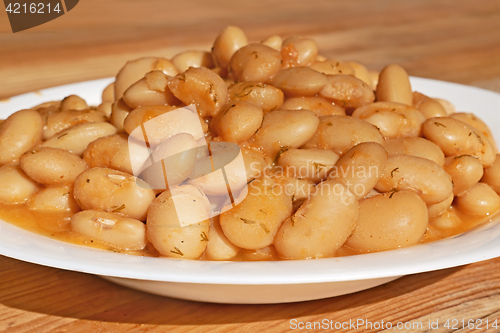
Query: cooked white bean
(105,108)
(274,42)
(202,87)
(333,67)
(186,59)
(360,168)
(347,91)
(16,187)
(321,225)
(415,146)
(265,96)
(447,220)
(55,199)
(455,138)
(230,40)
(465,171)
(238,122)
(389,221)
(480,199)
(278,125)
(299,81)
(59,121)
(178,224)
(298,51)
(135,70)
(76,138)
(108,94)
(492,175)
(394,85)
(448,107)
(318,105)
(256,162)
(297,189)
(477,123)
(439,208)
(374,75)
(109,152)
(219,247)
(428,106)
(255,62)
(52,166)
(150,90)
(253,223)
(119,111)
(416,174)
(119,232)
(267,253)
(313,164)
(113,191)
(20,132)
(362,73)
(73,102)
(341,133)
(394,120)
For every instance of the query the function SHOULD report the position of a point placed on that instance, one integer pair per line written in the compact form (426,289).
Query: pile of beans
(368,164)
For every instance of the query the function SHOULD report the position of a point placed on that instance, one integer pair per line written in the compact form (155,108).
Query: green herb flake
(263,226)
(392,193)
(281,151)
(439,124)
(118,209)
(394,170)
(177,251)
(247,221)
(60,136)
(204,237)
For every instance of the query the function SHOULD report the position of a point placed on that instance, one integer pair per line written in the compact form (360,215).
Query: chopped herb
(177,251)
(60,136)
(182,77)
(394,170)
(392,193)
(292,219)
(66,194)
(281,151)
(88,180)
(353,154)
(263,211)
(319,166)
(247,221)
(293,198)
(116,210)
(439,124)
(329,124)
(263,226)
(204,237)
(251,180)
(452,183)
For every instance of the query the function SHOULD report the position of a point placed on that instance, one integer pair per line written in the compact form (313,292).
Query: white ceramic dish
(259,282)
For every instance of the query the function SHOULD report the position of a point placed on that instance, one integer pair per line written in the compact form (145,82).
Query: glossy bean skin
(299,81)
(177,237)
(362,73)
(135,70)
(186,59)
(256,162)
(254,222)
(119,112)
(274,133)
(255,62)
(318,105)
(299,189)
(109,152)
(465,171)
(492,175)
(55,199)
(265,96)
(447,220)
(394,85)
(477,123)
(360,168)
(274,42)
(219,247)
(428,106)
(439,208)
(347,91)
(456,138)
(151,90)
(416,174)
(447,106)
(415,146)
(202,87)
(480,199)
(389,221)
(117,231)
(321,225)
(341,133)
(20,132)
(313,164)
(113,191)
(105,108)
(298,51)
(16,187)
(230,40)
(238,122)
(333,67)
(76,138)
(394,120)
(52,166)
(73,102)
(267,253)
(59,121)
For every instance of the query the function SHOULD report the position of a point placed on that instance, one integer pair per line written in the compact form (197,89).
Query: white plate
(259,282)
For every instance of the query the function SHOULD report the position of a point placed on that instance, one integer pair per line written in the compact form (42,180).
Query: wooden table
(453,40)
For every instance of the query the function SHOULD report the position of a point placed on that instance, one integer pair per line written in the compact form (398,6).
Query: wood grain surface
(453,40)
